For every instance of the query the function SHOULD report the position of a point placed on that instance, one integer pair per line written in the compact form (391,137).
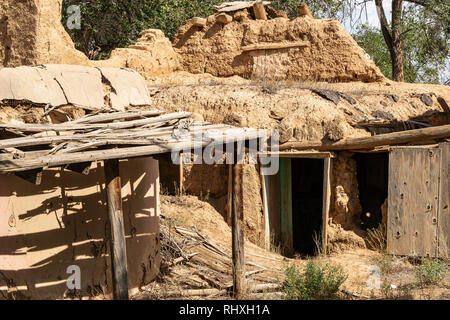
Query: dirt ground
(398,280)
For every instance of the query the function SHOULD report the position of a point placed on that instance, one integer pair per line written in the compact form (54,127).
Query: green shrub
(430,271)
(316,282)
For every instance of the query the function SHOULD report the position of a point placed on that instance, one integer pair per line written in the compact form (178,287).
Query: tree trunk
(393,38)
(397,43)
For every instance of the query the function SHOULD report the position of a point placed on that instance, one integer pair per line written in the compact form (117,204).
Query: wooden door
(413,209)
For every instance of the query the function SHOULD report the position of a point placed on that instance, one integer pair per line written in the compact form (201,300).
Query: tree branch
(384,23)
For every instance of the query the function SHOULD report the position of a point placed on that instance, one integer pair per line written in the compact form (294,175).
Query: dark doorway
(372,174)
(307,194)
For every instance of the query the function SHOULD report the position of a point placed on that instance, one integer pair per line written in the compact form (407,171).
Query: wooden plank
(236,5)
(414,136)
(326,202)
(444,203)
(274,45)
(413,201)
(238,232)
(287,234)
(118,241)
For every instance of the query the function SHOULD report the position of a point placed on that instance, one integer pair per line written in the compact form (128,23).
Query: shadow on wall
(45,229)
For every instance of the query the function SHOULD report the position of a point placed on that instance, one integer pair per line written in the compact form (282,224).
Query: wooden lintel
(118,242)
(306,155)
(274,46)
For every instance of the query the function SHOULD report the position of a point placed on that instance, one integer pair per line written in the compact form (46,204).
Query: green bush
(316,282)
(430,271)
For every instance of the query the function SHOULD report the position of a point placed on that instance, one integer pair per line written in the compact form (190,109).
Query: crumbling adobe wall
(345,206)
(31,33)
(321,50)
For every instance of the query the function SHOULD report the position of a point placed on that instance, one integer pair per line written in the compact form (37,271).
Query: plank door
(444,203)
(413,208)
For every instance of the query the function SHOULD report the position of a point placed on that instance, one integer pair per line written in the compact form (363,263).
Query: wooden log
(409,136)
(259,10)
(224,18)
(118,241)
(274,46)
(84,127)
(198,22)
(238,230)
(230,194)
(105,117)
(304,10)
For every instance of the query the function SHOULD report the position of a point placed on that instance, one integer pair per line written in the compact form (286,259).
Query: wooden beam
(230,194)
(274,45)
(302,154)
(238,231)
(408,136)
(326,201)
(118,241)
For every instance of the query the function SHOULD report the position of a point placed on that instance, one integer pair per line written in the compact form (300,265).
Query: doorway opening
(307,205)
(372,175)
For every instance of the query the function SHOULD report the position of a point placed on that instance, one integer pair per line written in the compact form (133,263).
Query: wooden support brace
(238,231)
(118,242)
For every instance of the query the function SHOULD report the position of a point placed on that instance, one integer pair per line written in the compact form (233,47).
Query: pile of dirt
(278,48)
(340,240)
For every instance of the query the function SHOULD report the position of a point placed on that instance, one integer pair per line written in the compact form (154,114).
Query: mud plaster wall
(328,54)
(31,33)
(44,229)
(345,206)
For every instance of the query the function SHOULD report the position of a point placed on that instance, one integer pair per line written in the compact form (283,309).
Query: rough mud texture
(341,240)
(345,207)
(152,55)
(253,212)
(31,33)
(321,50)
(292,107)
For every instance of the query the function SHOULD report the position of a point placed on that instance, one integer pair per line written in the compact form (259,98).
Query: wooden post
(326,201)
(230,194)
(118,243)
(238,231)
(181,186)
(265,208)
(259,10)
